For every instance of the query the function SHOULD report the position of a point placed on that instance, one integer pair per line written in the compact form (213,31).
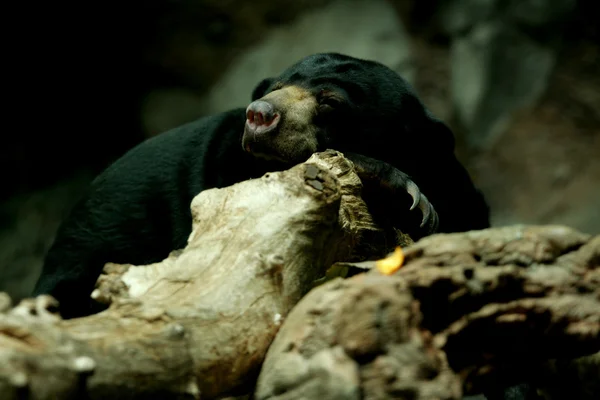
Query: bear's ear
(261,89)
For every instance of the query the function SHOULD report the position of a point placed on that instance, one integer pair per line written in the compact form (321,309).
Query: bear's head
(340,102)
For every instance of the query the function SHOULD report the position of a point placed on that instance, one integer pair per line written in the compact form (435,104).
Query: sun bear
(138,210)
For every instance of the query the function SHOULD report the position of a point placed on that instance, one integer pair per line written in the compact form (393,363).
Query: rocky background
(518,81)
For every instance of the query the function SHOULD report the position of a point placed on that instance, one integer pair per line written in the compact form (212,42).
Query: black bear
(138,209)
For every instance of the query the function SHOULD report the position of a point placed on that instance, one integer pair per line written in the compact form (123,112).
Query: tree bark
(466,312)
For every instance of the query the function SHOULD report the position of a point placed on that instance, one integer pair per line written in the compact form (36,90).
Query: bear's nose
(261,116)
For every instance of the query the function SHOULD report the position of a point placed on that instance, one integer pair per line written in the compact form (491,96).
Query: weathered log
(199,323)
(466,312)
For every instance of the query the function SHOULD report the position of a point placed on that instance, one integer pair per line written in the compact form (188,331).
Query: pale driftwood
(198,324)
(465,310)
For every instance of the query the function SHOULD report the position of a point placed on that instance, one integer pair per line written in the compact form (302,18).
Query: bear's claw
(430,216)
(390,179)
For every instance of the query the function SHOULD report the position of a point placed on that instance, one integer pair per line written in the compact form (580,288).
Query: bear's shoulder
(185,147)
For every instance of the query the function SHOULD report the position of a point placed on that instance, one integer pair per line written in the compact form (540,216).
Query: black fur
(385,120)
(138,210)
